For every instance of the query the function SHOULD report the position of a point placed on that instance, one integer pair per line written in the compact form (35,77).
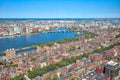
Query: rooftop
(96,54)
(112,65)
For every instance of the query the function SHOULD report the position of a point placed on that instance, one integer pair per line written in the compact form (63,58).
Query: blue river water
(34,39)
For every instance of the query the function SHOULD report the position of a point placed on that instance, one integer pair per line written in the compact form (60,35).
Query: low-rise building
(11,53)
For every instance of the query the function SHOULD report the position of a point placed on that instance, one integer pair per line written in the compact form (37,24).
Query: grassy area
(87,33)
(52,43)
(2,52)
(10,65)
(106,48)
(20,77)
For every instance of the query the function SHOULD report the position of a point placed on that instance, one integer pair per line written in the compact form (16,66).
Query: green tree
(20,77)
(33,59)
(61,75)
(48,78)
(55,77)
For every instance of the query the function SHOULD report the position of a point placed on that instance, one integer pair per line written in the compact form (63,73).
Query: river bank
(45,44)
(34,39)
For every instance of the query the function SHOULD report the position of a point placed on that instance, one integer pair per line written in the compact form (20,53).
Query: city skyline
(59,9)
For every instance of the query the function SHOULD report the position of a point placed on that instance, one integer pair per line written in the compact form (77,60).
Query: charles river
(34,39)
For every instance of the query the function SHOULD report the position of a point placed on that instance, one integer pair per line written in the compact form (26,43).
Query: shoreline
(40,44)
(12,36)
(44,44)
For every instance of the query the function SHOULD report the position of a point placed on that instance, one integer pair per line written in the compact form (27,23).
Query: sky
(59,8)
